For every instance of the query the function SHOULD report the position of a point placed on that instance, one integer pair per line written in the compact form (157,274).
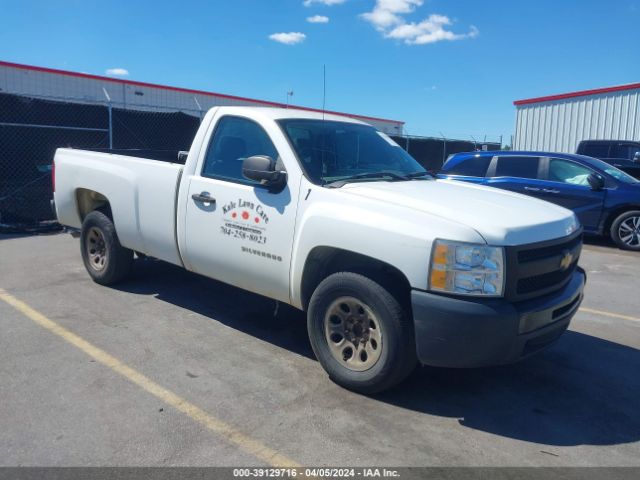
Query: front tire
(625,230)
(360,333)
(106,261)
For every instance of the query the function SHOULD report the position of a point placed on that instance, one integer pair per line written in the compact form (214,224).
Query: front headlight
(467,269)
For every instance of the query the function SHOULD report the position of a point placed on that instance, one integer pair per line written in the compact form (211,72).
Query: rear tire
(360,333)
(106,261)
(625,230)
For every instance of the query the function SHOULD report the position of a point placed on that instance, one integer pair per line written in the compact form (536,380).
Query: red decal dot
(234,215)
(257,220)
(245,215)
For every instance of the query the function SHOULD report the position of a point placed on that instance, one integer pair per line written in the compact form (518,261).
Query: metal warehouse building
(558,123)
(77,87)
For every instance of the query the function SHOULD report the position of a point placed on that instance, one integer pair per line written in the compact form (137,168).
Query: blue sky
(450,66)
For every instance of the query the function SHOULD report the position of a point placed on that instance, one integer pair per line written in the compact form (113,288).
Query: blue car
(605,199)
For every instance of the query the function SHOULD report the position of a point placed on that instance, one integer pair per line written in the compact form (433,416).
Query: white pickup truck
(392,266)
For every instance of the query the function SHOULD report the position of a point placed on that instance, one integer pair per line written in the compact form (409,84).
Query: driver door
(236,230)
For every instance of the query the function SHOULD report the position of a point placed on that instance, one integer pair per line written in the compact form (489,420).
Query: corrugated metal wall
(32,82)
(558,126)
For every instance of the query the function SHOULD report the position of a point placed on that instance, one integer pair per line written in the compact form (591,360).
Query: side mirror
(262,169)
(636,157)
(595,181)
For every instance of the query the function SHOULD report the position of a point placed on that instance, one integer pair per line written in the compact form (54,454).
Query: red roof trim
(582,93)
(183,90)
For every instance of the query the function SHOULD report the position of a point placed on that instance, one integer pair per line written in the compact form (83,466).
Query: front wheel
(360,333)
(106,261)
(625,230)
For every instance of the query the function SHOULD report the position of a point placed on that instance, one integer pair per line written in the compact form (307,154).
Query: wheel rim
(352,332)
(629,231)
(96,249)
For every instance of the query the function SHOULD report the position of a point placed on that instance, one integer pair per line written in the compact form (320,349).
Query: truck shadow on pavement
(584,390)
(239,309)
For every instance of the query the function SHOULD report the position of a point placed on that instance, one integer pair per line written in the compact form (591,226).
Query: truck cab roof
(608,142)
(289,113)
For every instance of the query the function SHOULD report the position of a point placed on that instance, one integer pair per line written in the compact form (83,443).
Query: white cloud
(388,12)
(318,19)
(290,38)
(430,30)
(308,3)
(388,17)
(119,72)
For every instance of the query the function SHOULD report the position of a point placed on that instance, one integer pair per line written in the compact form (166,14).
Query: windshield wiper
(361,176)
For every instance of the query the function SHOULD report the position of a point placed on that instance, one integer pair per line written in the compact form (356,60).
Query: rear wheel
(360,333)
(106,261)
(625,230)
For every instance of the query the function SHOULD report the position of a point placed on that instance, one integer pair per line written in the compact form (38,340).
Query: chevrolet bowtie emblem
(567,260)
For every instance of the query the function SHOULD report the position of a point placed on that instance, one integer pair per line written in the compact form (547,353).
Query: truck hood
(500,217)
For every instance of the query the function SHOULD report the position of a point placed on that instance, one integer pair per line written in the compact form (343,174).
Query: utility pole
(110,109)
(444,147)
(199,108)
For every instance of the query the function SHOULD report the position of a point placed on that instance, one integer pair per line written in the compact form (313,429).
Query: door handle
(532,189)
(550,190)
(203,197)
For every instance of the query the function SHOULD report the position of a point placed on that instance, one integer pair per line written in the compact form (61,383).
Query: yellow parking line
(609,314)
(246,443)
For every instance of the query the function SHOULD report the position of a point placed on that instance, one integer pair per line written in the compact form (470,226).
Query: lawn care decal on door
(245,220)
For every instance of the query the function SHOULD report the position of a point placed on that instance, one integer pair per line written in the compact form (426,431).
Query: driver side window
(568,172)
(234,139)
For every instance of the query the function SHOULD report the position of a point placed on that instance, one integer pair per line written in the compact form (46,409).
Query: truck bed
(142,193)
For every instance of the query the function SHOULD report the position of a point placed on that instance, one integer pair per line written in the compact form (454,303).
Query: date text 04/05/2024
(316,472)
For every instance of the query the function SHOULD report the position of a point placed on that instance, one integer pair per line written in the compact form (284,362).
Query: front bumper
(464,332)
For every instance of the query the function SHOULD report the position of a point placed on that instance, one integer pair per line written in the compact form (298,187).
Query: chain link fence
(32,128)
(432,152)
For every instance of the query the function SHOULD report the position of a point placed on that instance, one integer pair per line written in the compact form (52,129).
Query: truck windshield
(333,152)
